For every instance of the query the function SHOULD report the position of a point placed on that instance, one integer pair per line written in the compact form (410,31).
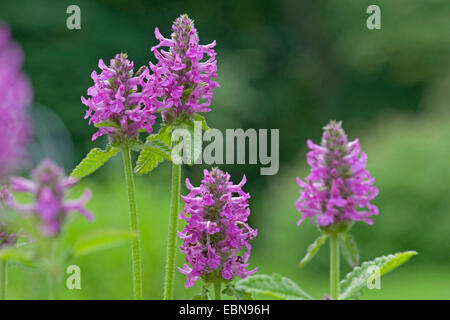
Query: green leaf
(200,118)
(155,149)
(231,290)
(313,249)
(275,286)
(159,146)
(135,145)
(356,280)
(243,295)
(13,254)
(153,153)
(106,123)
(349,249)
(94,160)
(100,240)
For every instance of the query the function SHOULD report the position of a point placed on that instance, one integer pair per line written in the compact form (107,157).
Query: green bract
(93,160)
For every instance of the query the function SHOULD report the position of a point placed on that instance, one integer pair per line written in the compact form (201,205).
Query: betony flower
(48,186)
(7,238)
(116,103)
(339,188)
(216,237)
(181,81)
(15,97)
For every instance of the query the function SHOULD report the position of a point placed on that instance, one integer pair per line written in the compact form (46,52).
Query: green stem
(172,236)
(53,270)
(334,266)
(218,289)
(134,222)
(53,285)
(3,279)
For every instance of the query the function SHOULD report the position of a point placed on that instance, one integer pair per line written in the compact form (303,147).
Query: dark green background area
(288,65)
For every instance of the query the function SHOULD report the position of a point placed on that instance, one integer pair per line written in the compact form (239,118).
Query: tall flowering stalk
(15,127)
(337,193)
(180,86)
(123,103)
(49,209)
(216,237)
(338,190)
(120,110)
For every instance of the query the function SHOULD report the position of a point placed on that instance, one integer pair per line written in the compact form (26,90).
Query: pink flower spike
(338,184)
(216,237)
(181,83)
(116,98)
(48,186)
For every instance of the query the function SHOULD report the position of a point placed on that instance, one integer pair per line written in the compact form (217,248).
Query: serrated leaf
(100,240)
(155,149)
(356,280)
(13,254)
(93,160)
(164,134)
(313,248)
(160,146)
(275,286)
(153,153)
(349,249)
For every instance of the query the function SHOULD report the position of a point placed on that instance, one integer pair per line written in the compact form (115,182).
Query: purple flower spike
(48,185)
(339,183)
(181,82)
(116,104)
(15,96)
(216,237)
(7,238)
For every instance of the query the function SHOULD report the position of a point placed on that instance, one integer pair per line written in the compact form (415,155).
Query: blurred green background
(292,65)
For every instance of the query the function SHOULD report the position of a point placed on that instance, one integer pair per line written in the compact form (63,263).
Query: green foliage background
(292,65)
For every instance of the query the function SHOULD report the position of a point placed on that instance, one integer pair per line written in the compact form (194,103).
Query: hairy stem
(218,289)
(172,235)
(3,279)
(334,266)
(134,222)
